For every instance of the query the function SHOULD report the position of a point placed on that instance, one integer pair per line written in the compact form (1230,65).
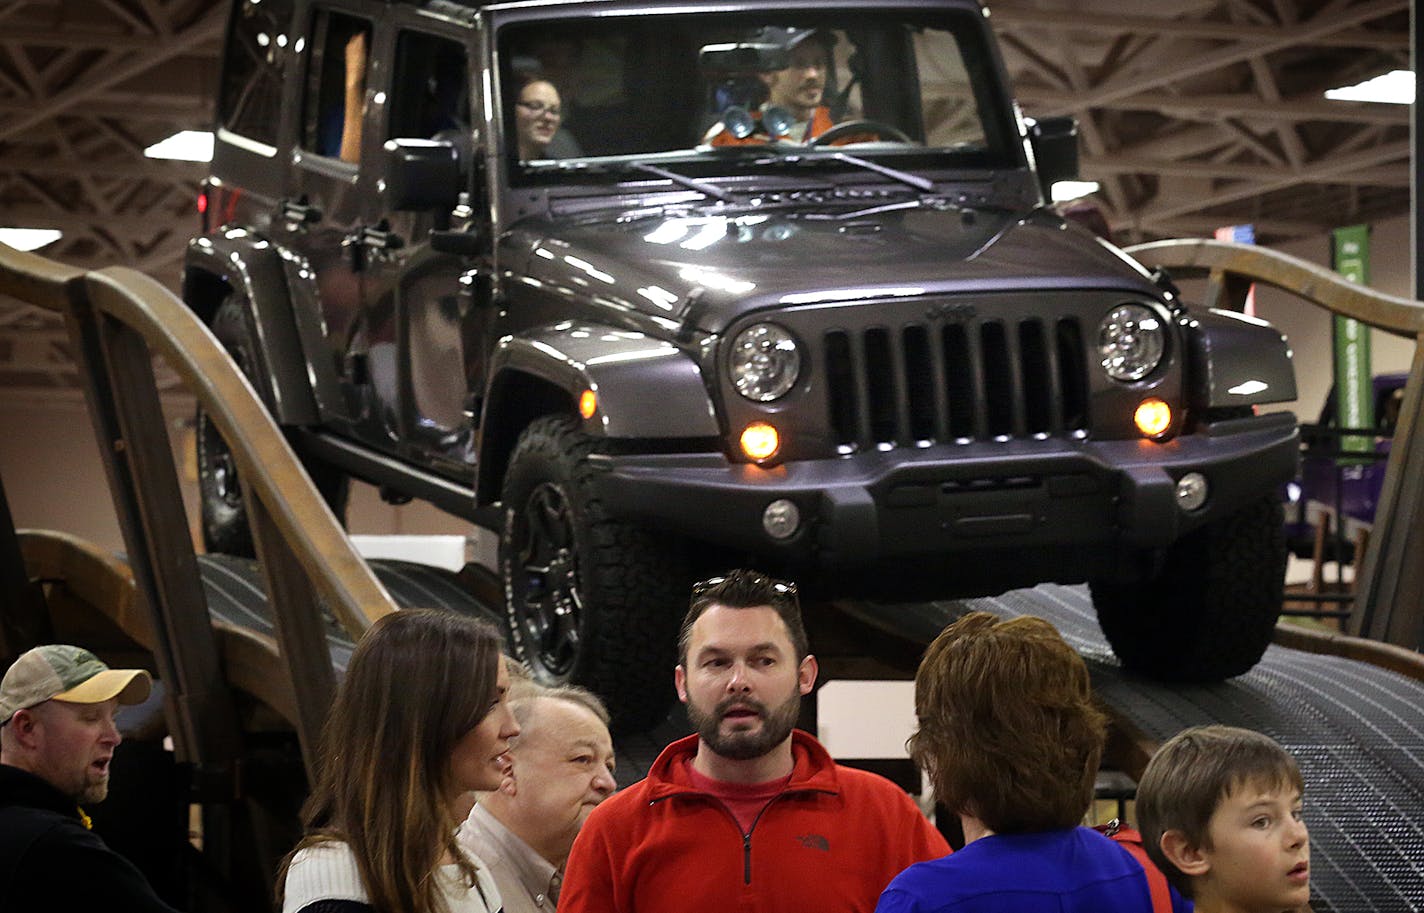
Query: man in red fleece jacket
(749,814)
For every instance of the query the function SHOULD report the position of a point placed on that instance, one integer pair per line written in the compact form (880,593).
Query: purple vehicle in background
(1332,484)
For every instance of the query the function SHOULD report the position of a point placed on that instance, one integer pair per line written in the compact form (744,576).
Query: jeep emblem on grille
(948,311)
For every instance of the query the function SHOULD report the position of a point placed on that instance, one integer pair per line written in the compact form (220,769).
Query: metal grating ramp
(1357,732)
(236,594)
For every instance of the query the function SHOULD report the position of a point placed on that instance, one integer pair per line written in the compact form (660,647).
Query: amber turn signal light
(760,441)
(1153,417)
(588,403)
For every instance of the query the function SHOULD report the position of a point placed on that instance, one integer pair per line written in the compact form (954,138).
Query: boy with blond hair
(1219,808)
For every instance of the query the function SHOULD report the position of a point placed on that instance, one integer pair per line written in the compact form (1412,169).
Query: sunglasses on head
(781,587)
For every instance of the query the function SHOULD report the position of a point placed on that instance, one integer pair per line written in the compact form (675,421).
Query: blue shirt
(1070,871)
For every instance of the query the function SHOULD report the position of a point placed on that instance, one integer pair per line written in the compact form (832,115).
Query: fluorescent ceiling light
(1063,191)
(1395,88)
(185,146)
(29,238)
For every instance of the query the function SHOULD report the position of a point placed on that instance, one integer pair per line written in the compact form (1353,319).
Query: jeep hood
(708,269)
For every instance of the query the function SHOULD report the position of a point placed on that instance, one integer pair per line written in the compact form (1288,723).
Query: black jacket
(51,863)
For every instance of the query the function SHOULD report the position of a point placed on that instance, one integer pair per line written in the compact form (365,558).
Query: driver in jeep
(793,111)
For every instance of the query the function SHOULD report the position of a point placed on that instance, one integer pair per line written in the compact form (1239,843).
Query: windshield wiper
(623,167)
(702,187)
(904,177)
(793,154)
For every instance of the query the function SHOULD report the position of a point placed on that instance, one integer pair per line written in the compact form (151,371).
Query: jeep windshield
(709,95)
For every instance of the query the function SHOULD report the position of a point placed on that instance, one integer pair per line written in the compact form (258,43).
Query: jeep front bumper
(947,498)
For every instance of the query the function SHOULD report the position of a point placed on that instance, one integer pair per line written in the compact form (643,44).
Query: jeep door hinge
(300,211)
(370,240)
(379,237)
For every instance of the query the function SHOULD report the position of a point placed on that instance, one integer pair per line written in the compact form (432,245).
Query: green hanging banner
(1354,389)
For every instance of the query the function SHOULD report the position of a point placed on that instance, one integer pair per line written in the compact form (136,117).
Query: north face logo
(815,842)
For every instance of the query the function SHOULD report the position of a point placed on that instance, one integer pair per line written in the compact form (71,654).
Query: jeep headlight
(1131,339)
(764,362)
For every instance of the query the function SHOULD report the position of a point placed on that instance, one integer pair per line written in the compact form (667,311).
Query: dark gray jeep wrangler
(664,287)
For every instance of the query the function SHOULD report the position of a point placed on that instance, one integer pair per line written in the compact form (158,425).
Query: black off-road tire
(224,515)
(1210,611)
(588,599)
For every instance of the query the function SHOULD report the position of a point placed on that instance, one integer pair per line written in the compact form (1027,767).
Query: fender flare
(214,266)
(646,389)
(1237,360)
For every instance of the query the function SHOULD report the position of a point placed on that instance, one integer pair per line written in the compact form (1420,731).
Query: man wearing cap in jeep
(57,739)
(795,90)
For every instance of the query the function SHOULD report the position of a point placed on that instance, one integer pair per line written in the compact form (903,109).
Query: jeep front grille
(941,382)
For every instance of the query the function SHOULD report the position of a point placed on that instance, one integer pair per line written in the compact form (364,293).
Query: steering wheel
(854,127)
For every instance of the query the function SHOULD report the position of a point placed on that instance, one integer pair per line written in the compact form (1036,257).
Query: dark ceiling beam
(1178,141)
(145,169)
(132,228)
(1033,19)
(49,334)
(207,28)
(151,107)
(1127,84)
(18,316)
(1212,108)
(1206,225)
(157,16)
(1335,170)
(1095,166)
(185,111)
(36,356)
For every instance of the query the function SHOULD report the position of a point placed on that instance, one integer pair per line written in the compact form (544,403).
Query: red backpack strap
(1130,840)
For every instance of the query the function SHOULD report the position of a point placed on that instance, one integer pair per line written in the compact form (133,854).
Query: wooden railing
(118,319)
(1389,600)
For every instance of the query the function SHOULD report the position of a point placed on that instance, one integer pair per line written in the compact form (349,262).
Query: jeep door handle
(300,211)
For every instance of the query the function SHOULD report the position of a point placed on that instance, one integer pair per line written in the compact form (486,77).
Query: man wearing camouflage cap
(57,739)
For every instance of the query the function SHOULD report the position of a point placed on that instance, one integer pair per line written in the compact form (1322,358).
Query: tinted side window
(254,65)
(429,94)
(335,95)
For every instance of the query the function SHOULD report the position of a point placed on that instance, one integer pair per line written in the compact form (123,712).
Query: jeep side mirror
(422,175)
(1055,151)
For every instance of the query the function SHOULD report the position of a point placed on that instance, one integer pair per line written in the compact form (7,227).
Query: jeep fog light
(760,441)
(764,362)
(1131,340)
(1153,417)
(1191,491)
(780,519)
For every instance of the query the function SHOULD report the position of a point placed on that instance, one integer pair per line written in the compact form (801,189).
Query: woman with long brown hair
(420,720)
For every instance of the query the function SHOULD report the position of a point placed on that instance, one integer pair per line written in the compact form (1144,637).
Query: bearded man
(795,91)
(749,813)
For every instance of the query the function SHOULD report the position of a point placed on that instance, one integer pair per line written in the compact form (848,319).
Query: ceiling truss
(1193,114)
